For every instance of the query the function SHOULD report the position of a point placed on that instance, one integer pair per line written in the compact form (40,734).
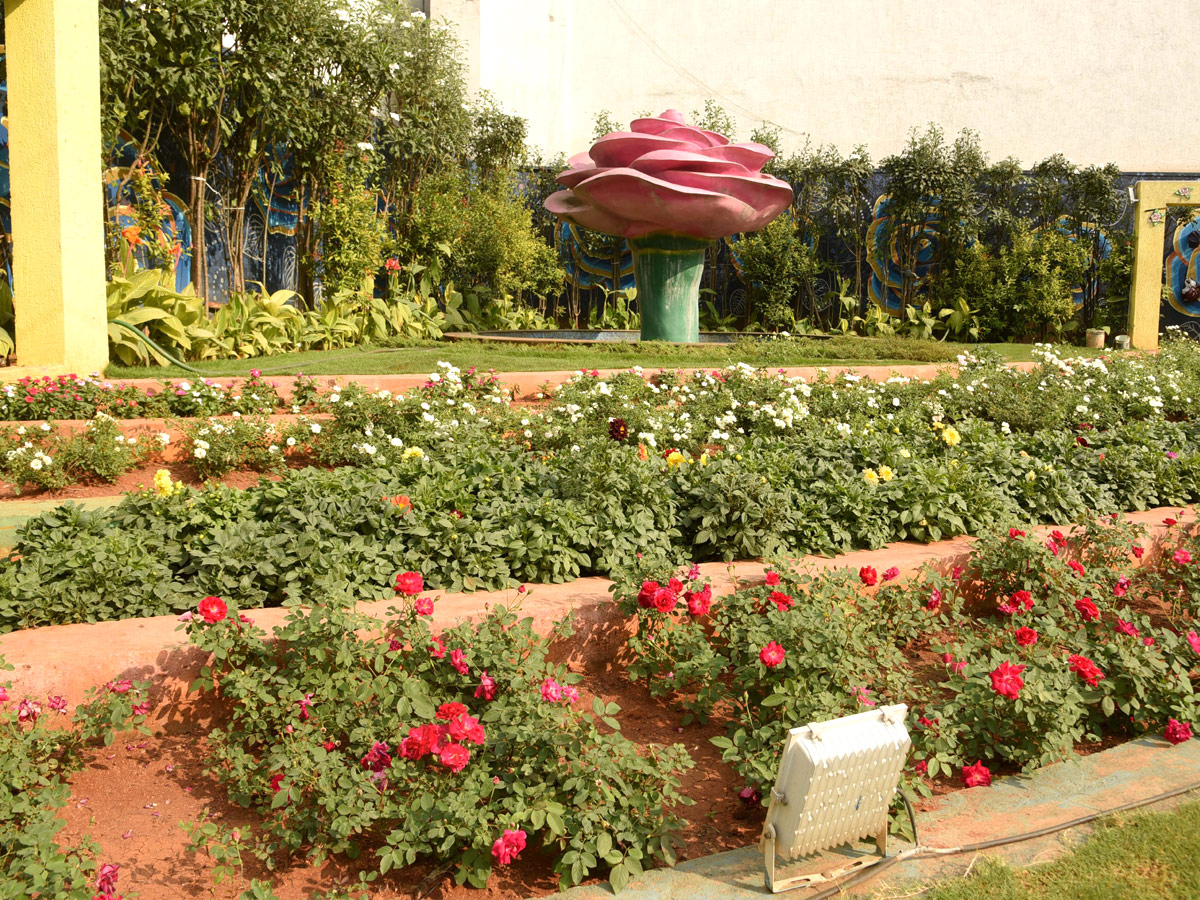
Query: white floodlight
(835,784)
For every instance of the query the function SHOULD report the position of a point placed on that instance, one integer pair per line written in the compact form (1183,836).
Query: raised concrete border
(1137,770)
(69,659)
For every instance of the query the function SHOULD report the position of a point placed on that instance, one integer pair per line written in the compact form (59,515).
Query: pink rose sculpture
(666,176)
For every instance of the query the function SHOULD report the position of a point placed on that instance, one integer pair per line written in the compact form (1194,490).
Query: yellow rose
(870,476)
(886,473)
(951,436)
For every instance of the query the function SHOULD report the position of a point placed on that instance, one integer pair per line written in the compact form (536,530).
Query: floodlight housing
(835,785)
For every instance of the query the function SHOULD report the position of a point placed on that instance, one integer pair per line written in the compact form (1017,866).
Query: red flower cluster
(1085,669)
(213,610)
(654,596)
(1007,680)
(446,742)
(378,757)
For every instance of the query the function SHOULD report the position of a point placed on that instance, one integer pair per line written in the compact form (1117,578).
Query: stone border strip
(69,659)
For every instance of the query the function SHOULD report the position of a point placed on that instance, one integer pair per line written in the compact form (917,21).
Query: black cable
(919,852)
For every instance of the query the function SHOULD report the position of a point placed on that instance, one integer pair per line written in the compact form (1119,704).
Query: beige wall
(1098,81)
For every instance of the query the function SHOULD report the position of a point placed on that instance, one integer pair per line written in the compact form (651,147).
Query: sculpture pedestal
(667,268)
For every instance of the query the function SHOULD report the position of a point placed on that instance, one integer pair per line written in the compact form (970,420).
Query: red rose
(213,610)
(455,757)
(868,576)
(665,600)
(699,602)
(424,606)
(645,596)
(329,745)
(977,775)
(467,728)
(772,655)
(921,768)
(437,650)
(1007,680)
(277,782)
(772,579)
(1015,533)
(458,659)
(1087,609)
(676,586)
(1026,637)
(409,583)
(782,601)
(448,712)
(1138,552)
(1077,568)
(1085,669)
(1177,732)
(421,740)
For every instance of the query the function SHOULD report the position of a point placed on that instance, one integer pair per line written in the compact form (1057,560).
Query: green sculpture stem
(667,268)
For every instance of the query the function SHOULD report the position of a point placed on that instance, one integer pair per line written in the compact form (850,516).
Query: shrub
(421,746)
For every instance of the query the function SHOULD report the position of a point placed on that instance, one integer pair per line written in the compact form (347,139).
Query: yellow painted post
(53,56)
(1145,291)
(1149,230)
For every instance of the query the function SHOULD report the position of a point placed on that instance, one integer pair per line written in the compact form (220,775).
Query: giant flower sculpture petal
(664,175)
(670,189)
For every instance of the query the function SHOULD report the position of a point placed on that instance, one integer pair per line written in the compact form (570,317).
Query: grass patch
(1147,856)
(422,357)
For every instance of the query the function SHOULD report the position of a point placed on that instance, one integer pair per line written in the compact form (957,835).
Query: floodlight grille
(836,781)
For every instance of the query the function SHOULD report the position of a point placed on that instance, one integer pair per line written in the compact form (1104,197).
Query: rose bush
(37,758)
(468,747)
(995,661)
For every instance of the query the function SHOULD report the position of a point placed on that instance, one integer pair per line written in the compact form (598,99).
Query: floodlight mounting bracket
(777,885)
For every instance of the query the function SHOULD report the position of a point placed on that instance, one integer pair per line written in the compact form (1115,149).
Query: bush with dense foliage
(467,747)
(1034,648)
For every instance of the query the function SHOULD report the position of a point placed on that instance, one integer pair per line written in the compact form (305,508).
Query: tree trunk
(197,202)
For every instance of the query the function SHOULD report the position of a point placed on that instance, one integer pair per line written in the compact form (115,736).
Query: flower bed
(457,755)
(733,464)
(37,758)
(1034,649)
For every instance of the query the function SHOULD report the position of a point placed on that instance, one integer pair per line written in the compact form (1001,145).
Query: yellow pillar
(1149,230)
(53,57)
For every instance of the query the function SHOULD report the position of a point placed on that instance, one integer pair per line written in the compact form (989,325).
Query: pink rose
(1177,732)
(551,691)
(455,757)
(487,687)
(508,847)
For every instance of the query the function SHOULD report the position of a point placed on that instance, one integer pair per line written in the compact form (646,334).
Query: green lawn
(422,357)
(1130,857)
